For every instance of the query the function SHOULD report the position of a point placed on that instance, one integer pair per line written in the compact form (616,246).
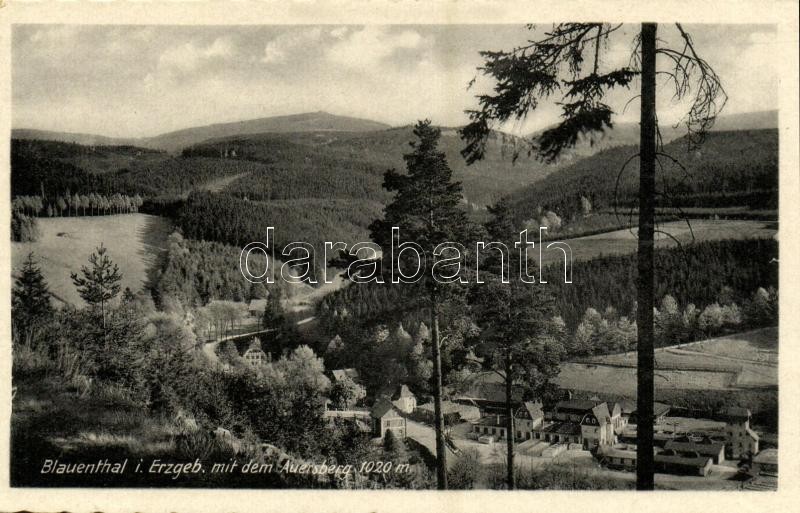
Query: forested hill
(363,157)
(730,168)
(311,121)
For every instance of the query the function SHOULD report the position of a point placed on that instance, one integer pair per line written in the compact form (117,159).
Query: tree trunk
(441,454)
(646,274)
(510,481)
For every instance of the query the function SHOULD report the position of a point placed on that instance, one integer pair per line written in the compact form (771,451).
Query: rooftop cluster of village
(606,430)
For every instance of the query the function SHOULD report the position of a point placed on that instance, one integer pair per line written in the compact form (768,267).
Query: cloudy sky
(144,80)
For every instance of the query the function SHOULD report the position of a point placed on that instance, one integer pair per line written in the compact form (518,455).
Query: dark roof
(577,405)
(402,391)
(254,344)
(611,452)
(736,413)
(381,407)
(707,448)
(563,428)
(659,409)
(340,374)
(492,420)
(698,461)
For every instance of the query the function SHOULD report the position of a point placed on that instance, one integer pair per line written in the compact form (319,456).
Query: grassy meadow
(134,242)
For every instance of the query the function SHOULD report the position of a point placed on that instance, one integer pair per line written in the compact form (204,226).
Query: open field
(623,242)
(744,360)
(134,242)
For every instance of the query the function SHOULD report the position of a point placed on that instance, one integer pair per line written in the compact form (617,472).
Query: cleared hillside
(134,242)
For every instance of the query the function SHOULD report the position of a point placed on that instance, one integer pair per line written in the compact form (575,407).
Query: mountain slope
(733,168)
(312,121)
(179,139)
(362,157)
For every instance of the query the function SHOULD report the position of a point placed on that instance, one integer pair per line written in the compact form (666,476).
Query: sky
(138,81)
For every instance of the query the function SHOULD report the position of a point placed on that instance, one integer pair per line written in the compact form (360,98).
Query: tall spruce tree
(514,318)
(567,61)
(30,297)
(426,209)
(100,282)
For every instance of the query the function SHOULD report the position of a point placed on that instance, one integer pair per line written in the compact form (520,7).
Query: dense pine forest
(699,274)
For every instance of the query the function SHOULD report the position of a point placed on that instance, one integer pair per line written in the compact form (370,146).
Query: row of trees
(76,204)
(610,332)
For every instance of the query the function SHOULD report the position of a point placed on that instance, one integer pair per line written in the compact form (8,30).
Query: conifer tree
(100,282)
(30,297)
(567,62)
(426,209)
(514,318)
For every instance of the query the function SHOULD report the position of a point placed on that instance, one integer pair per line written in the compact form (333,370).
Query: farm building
(254,355)
(620,459)
(741,440)
(765,463)
(385,417)
(404,399)
(452,412)
(660,411)
(671,462)
(705,448)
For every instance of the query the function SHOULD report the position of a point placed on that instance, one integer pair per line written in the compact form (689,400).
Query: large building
(527,417)
(590,423)
(742,442)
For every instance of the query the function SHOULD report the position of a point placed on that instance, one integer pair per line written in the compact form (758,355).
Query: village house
(528,417)
(254,355)
(741,440)
(404,399)
(386,417)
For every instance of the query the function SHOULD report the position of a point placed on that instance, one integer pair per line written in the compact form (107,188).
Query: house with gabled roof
(254,355)
(386,417)
(404,399)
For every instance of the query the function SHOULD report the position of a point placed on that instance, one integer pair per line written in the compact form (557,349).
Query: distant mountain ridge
(627,133)
(622,134)
(179,139)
